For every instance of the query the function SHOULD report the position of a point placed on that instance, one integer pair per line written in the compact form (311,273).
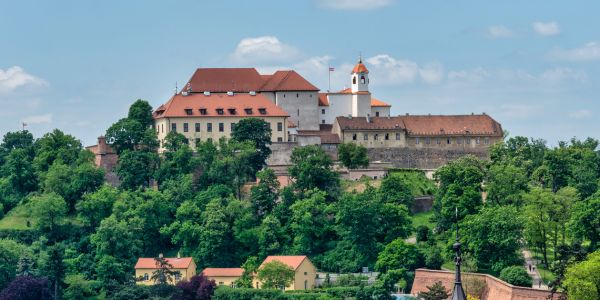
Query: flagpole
(329,75)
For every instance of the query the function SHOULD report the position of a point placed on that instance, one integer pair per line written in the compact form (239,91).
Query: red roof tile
(349,91)
(379,103)
(360,68)
(292,261)
(150,262)
(223,272)
(287,81)
(323,101)
(177,105)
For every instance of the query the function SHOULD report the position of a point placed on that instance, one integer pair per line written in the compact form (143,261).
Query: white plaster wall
(383,111)
(302,108)
(361,105)
(339,105)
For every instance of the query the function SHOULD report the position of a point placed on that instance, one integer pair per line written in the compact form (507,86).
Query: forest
(65,233)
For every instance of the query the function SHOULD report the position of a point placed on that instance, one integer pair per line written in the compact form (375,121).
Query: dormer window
(203,111)
(262,111)
(232,111)
(220,111)
(188,111)
(248,111)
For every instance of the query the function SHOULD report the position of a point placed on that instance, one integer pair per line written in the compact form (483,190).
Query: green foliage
(435,292)
(10,251)
(271,237)
(394,189)
(174,141)
(433,257)
(416,180)
(164,273)
(399,255)
(177,162)
(141,111)
(422,233)
(585,220)
(227,293)
(71,183)
(20,172)
(136,168)
(506,184)
(264,195)
(79,288)
(521,152)
(57,146)
(516,275)
(53,267)
(582,280)
(130,134)
(353,156)
(95,207)
(258,133)
(49,210)
(275,275)
(311,224)
(312,168)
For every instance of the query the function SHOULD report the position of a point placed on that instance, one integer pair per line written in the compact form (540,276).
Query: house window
(221,127)
(197,127)
(468,141)
(174,127)
(397,136)
(297,95)
(438,141)
(366,137)
(221,283)
(203,111)
(427,141)
(146,277)
(448,141)
(305,273)
(377,114)
(232,111)
(354,137)
(197,140)
(486,141)
(262,111)
(162,128)
(459,140)
(209,127)
(477,140)
(232,127)
(298,112)
(280,139)
(220,111)
(322,111)
(188,111)
(417,141)
(185,127)
(322,121)
(279,126)
(177,276)
(376,136)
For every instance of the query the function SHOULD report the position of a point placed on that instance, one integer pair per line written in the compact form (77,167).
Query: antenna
(176,89)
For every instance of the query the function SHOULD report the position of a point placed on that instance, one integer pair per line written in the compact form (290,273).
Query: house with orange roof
(305,272)
(223,276)
(145,266)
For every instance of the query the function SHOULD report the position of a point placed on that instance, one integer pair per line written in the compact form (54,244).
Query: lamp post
(458,293)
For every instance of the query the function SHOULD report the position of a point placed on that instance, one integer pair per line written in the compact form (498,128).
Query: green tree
(435,292)
(250,266)
(506,184)
(141,111)
(557,162)
(394,189)
(16,140)
(399,255)
(312,168)
(275,274)
(257,132)
(9,256)
(176,163)
(263,196)
(20,172)
(433,257)
(136,168)
(49,210)
(97,206)
(78,287)
(521,152)
(422,233)
(538,210)
(164,273)
(582,280)
(271,237)
(53,267)
(493,237)
(516,275)
(71,183)
(57,146)
(214,236)
(130,134)
(585,220)
(174,141)
(353,156)
(311,224)
(116,239)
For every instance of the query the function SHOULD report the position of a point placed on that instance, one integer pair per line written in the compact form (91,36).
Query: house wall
(324,115)
(224,280)
(163,127)
(361,105)
(185,274)
(339,105)
(375,138)
(302,108)
(306,272)
(451,142)
(384,111)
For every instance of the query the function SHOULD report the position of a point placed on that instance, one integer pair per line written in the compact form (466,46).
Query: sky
(77,65)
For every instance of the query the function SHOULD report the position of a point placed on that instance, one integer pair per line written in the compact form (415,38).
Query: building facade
(223,276)
(305,272)
(145,266)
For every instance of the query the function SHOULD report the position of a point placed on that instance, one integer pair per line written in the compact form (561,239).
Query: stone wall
(424,159)
(494,288)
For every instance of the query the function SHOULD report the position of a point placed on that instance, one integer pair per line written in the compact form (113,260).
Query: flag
(331,69)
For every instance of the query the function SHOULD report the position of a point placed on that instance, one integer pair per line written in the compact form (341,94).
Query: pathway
(534,273)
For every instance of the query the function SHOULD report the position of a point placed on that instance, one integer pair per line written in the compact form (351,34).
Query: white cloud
(354,4)
(432,73)
(588,52)
(387,70)
(557,75)
(264,50)
(580,114)
(38,119)
(15,77)
(476,75)
(520,111)
(546,29)
(499,31)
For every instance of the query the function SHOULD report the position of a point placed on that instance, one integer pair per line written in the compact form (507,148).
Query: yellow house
(145,266)
(223,276)
(305,271)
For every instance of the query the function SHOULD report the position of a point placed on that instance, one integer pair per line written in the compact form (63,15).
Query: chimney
(101,145)
(178,254)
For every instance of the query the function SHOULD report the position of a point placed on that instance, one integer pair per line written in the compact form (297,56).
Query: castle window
(221,127)
(297,95)
(185,127)
(354,137)
(322,121)
(486,140)
(417,140)
(366,137)
(377,114)
(468,140)
(197,127)
(397,136)
(298,112)
(280,139)
(188,111)
(202,111)
(232,111)
(376,136)
(448,141)
(427,141)
(438,141)
(362,79)
(248,111)
(459,140)
(209,127)
(220,111)
(174,127)
(387,136)
(354,80)
(323,111)
(279,126)
(477,140)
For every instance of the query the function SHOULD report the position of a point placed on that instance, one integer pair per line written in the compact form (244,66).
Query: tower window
(362,79)
(377,114)
(354,80)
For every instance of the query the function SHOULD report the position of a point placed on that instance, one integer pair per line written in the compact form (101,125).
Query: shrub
(227,293)
(516,275)
(422,233)
(26,288)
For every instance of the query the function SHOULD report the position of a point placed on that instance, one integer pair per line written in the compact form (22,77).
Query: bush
(26,288)
(422,233)
(516,275)
(227,293)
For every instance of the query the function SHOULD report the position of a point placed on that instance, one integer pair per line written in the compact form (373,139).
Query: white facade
(380,111)
(302,107)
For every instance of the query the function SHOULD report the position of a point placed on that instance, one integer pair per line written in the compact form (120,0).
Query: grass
(360,185)
(422,218)
(416,180)
(17,218)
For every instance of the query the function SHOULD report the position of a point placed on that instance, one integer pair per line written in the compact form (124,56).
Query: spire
(458,293)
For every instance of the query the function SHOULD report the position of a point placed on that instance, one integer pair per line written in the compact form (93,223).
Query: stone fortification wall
(424,159)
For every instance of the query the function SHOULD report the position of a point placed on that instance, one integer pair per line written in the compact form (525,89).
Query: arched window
(362,79)
(354,80)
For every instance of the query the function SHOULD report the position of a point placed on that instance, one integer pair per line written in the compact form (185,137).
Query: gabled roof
(323,101)
(360,123)
(223,272)
(292,261)
(287,81)
(379,103)
(240,102)
(150,262)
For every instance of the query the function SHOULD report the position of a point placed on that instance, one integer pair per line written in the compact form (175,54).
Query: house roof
(220,80)
(360,68)
(150,262)
(379,103)
(292,261)
(232,106)
(427,124)
(323,101)
(349,91)
(223,272)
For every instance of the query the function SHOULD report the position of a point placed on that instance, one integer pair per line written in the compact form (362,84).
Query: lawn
(16,218)
(422,218)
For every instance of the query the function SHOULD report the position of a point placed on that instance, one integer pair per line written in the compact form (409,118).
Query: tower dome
(360,77)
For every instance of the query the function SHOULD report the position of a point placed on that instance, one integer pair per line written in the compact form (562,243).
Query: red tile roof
(178,104)
(379,103)
(349,91)
(292,261)
(223,272)
(220,80)
(427,124)
(360,68)
(323,101)
(150,262)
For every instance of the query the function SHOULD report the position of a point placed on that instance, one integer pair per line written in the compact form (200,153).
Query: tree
(263,196)
(164,273)
(16,140)
(435,292)
(275,274)
(95,207)
(516,275)
(433,258)
(582,280)
(57,146)
(271,237)
(20,172)
(53,267)
(136,168)
(49,210)
(493,237)
(394,189)
(399,255)
(353,156)
(129,134)
(26,288)
(141,111)
(79,288)
(9,256)
(174,141)
(422,233)
(197,288)
(585,220)
(506,184)
(311,224)
(258,132)
(71,183)
(214,236)
(311,168)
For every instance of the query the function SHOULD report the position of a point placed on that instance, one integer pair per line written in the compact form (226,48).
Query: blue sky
(533,65)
